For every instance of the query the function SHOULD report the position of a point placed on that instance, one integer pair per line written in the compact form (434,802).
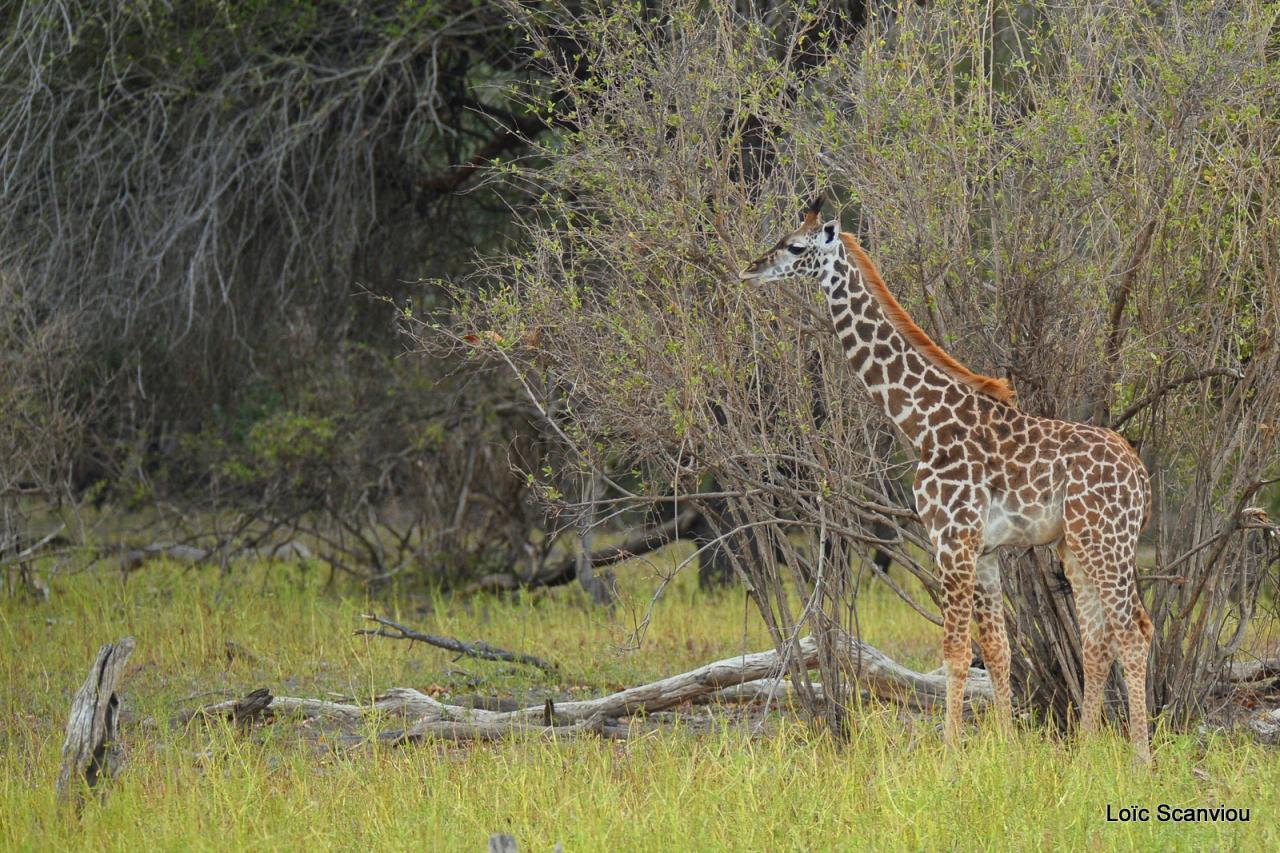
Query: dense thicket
(1081,198)
(210,182)
(201,203)
(197,200)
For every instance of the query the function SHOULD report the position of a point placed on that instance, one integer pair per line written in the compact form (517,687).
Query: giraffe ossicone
(987,475)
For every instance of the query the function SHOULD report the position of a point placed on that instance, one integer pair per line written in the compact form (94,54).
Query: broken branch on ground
(477,649)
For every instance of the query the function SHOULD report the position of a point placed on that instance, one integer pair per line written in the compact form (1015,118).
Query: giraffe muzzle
(756,269)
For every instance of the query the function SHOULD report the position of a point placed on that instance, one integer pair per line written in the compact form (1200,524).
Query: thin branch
(480,650)
(1157,394)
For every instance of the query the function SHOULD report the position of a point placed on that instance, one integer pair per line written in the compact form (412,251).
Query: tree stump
(91,751)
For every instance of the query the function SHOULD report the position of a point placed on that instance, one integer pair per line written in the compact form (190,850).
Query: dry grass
(688,787)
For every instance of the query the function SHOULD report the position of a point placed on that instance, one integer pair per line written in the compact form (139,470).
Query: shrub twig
(480,649)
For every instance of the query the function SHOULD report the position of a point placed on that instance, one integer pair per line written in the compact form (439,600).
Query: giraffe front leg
(956,565)
(993,639)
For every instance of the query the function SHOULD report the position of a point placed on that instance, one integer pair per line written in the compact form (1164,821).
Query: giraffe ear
(830,234)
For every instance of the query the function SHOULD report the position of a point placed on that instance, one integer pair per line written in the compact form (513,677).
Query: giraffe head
(801,254)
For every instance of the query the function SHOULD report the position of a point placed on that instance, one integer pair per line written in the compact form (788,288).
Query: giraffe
(987,475)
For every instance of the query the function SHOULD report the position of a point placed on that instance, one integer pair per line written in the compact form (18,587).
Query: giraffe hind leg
(1132,629)
(1097,642)
(1135,648)
(1111,608)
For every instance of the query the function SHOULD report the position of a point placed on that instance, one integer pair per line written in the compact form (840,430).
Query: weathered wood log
(433,718)
(475,650)
(458,731)
(134,558)
(1240,672)
(882,675)
(778,690)
(565,570)
(875,671)
(678,689)
(877,674)
(91,751)
(396,702)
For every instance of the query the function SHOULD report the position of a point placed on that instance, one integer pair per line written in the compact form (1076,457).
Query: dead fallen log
(775,690)
(655,696)
(396,702)
(134,558)
(875,672)
(461,732)
(1244,672)
(678,689)
(565,570)
(882,676)
(433,719)
(91,752)
(477,649)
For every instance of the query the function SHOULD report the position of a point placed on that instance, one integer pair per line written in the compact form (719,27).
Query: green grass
(893,787)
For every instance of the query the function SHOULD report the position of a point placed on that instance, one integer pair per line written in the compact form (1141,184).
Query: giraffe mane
(901,320)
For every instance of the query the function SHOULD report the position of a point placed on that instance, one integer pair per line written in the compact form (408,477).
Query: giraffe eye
(796,250)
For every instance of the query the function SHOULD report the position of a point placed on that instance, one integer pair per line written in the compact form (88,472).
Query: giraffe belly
(1014,523)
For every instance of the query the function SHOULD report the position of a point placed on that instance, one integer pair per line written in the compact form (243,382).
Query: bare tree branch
(480,650)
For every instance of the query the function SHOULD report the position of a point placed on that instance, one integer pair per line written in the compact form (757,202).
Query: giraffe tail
(1140,617)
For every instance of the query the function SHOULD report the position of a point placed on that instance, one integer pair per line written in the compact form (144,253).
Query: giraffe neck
(914,394)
